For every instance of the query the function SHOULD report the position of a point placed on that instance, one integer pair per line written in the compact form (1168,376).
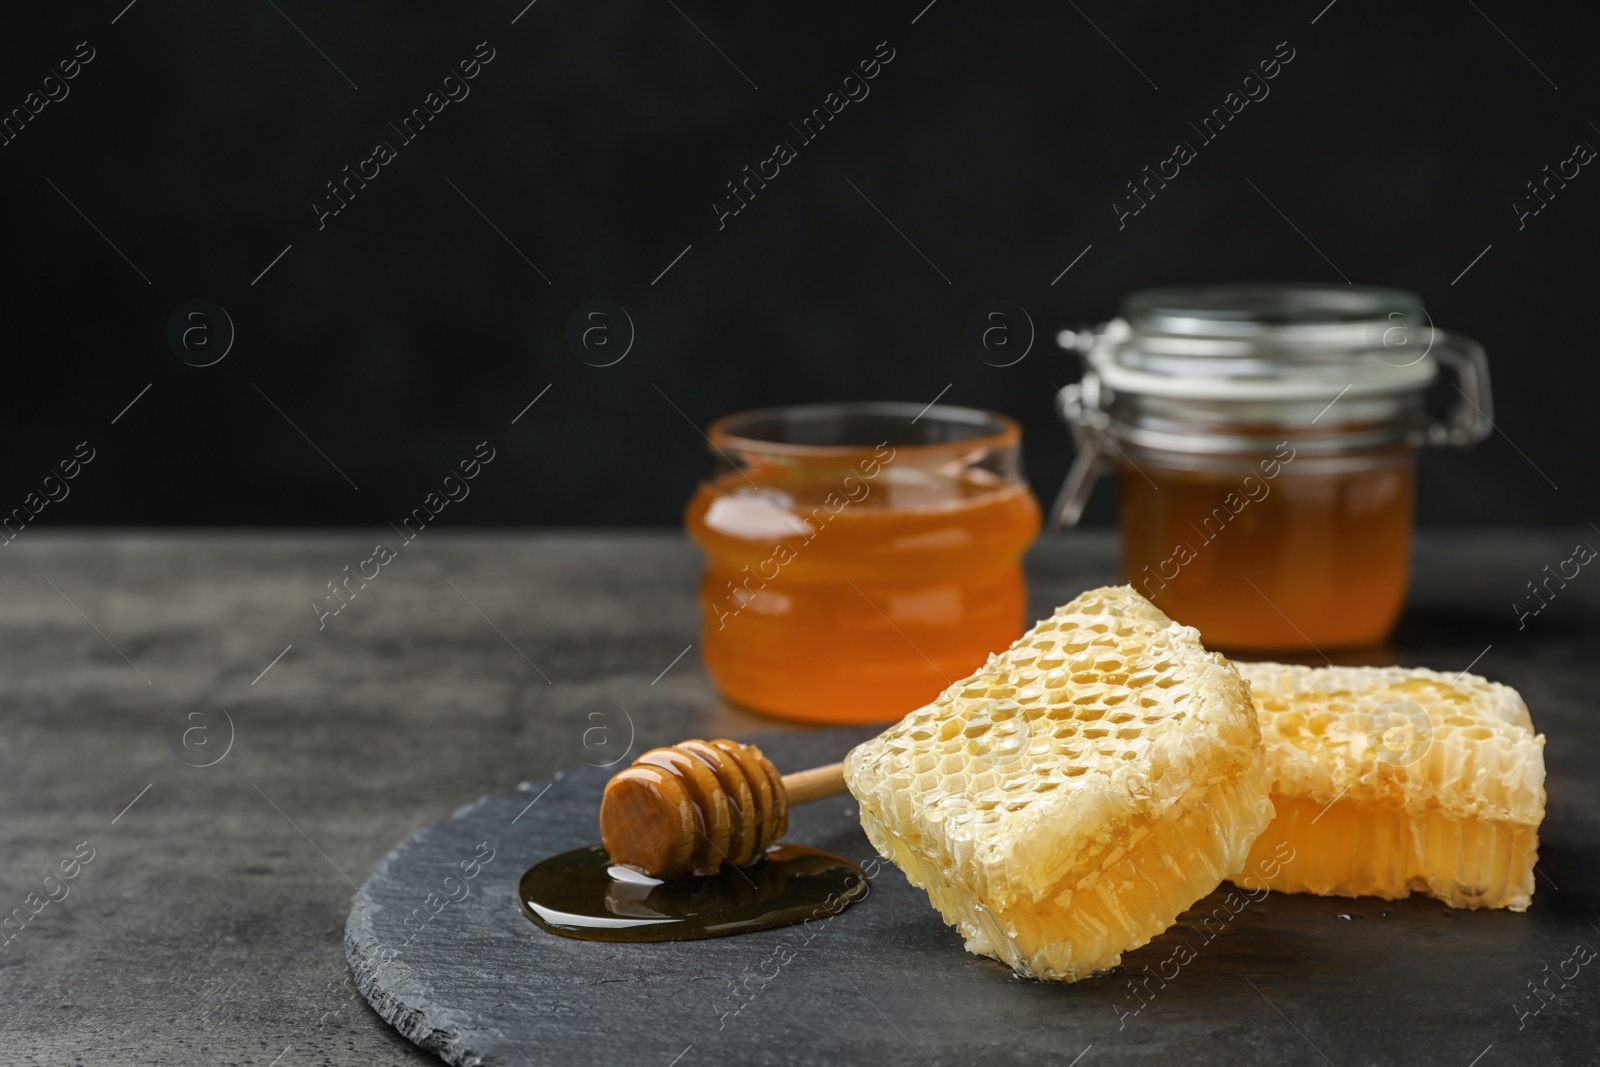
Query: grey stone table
(219,774)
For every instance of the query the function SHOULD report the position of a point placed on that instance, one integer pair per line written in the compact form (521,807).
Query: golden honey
(853,591)
(1361,850)
(1272,563)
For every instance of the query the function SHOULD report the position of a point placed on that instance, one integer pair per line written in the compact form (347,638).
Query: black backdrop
(584,161)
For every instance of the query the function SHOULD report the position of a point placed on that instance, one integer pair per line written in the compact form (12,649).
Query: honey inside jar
(1272,563)
(851,582)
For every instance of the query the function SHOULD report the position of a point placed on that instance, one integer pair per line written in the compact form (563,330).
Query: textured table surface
(207,927)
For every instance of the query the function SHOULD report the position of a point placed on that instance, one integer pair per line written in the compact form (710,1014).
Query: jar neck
(991,465)
(1285,458)
(824,442)
(1211,433)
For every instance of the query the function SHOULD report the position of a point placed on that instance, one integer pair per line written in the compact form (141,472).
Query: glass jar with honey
(859,557)
(1265,438)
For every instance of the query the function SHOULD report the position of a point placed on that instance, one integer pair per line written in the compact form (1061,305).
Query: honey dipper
(691,807)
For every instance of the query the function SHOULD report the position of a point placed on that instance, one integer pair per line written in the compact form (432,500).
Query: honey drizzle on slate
(579,894)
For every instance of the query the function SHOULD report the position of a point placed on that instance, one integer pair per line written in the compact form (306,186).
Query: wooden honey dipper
(691,807)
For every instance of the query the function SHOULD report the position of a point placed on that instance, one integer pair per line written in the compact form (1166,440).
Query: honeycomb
(1389,780)
(1062,805)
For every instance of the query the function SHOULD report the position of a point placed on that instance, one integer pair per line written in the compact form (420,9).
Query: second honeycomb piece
(1389,780)
(1065,803)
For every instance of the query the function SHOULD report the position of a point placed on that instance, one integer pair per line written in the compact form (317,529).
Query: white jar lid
(1264,343)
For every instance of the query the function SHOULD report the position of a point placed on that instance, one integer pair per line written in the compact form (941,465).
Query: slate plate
(1287,980)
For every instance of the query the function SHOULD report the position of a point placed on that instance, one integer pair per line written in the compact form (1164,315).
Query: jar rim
(1263,311)
(783,431)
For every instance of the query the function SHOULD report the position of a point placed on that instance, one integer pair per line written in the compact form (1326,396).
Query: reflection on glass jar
(860,557)
(1265,439)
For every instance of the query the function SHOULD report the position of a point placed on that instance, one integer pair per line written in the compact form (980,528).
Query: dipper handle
(803,787)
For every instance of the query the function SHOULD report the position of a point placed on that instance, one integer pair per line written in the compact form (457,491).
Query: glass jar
(1265,438)
(859,557)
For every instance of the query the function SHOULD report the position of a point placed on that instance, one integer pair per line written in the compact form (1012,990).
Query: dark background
(596,141)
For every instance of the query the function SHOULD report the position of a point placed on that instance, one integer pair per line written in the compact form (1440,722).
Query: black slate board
(1288,980)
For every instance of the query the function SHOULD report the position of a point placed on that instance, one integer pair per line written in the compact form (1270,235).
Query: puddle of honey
(579,894)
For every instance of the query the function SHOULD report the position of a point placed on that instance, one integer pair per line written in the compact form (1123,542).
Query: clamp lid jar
(1266,437)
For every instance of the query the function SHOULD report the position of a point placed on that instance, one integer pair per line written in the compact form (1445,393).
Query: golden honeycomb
(1389,780)
(1062,805)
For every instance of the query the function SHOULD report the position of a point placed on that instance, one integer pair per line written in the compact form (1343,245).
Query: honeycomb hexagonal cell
(1065,803)
(1390,780)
